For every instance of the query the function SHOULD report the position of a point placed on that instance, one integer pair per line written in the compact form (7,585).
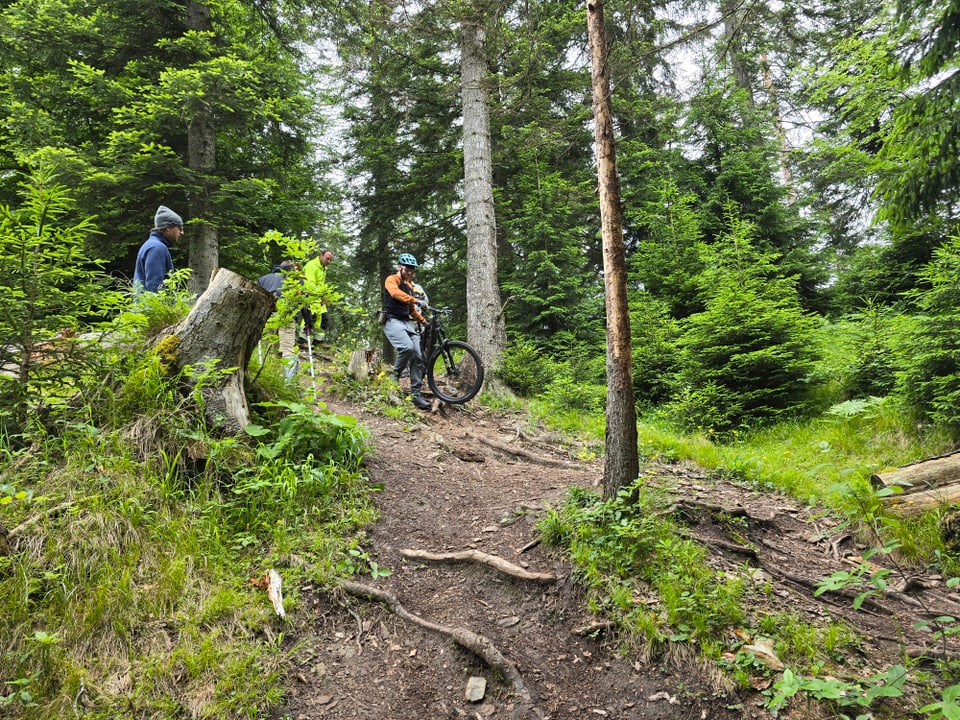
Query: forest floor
(465,478)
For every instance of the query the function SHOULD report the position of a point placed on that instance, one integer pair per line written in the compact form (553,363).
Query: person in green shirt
(318,291)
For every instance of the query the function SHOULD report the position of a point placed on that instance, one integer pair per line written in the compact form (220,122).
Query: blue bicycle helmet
(408,260)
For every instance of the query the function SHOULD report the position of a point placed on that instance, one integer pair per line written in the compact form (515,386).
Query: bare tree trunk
(485,326)
(202,237)
(221,331)
(732,29)
(622,463)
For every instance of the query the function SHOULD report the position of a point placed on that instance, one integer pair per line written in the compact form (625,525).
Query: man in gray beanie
(153,260)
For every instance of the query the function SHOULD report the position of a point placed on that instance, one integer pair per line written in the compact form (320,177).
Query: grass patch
(126,588)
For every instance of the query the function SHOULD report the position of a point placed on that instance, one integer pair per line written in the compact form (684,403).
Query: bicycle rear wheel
(454,372)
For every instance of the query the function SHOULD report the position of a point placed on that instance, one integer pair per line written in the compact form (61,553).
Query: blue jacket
(153,263)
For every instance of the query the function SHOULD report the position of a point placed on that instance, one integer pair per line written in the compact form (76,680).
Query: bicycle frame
(453,368)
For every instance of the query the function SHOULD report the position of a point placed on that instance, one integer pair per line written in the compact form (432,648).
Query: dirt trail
(463,479)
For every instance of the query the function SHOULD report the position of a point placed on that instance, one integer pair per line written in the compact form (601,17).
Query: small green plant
(623,545)
(358,561)
(20,693)
(947,707)
(868,580)
(855,694)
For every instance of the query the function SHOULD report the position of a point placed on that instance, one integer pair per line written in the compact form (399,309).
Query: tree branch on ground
(483,558)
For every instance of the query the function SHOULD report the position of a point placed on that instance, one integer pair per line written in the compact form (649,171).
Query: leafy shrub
(874,359)
(706,408)
(626,543)
(655,353)
(566,393)
(48,292)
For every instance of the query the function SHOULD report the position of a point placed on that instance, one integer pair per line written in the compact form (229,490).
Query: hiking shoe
(420,402)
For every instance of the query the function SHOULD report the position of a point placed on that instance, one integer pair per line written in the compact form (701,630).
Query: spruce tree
(747,356)
(931,351)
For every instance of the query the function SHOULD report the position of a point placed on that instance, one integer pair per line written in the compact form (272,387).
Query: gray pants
(406,341)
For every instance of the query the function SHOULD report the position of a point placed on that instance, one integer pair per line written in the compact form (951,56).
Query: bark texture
(202,238)
(923,475)
(222,330)
(924,485)
(622,463)
(485,326)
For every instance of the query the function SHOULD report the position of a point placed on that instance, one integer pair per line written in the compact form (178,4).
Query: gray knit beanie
(166,217)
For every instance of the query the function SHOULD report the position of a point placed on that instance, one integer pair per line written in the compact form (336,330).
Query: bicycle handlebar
(441,311)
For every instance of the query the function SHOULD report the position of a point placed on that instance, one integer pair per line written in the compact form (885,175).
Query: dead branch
(477,644)
(493,561)
(520,453)
(719,509)
(37,518)
(839,592)
(594,627)
(529,546)
(927,653)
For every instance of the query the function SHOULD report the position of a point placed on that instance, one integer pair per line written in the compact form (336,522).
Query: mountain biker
(400,306)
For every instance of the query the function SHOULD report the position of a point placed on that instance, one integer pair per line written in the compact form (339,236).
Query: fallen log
(921,475)
(919,501)
(477,644)
(493,561)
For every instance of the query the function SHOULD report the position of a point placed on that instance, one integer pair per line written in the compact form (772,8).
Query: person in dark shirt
(154,262)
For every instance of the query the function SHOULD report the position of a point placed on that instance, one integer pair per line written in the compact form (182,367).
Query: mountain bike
(454,370)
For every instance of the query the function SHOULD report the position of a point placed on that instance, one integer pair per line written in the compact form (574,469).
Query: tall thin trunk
(622,464)
(202,236)
(732,29)
(485,326)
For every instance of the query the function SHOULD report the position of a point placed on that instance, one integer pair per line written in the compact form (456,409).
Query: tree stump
(222,331)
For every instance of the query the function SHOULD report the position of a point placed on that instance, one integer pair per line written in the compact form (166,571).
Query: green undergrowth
(136,535)
(644,572)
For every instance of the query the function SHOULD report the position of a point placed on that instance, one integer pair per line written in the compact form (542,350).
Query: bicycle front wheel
(455,372)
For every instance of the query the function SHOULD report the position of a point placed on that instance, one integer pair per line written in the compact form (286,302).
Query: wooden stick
(36,518)
(493,561)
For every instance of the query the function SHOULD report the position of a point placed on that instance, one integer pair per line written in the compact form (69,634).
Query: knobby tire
(461,381)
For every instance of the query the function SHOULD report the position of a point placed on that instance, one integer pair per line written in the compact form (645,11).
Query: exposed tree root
(493,561)
(522,454)
(477,644)
(594,627)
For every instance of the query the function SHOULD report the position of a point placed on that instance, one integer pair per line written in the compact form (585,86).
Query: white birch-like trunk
(485,326)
